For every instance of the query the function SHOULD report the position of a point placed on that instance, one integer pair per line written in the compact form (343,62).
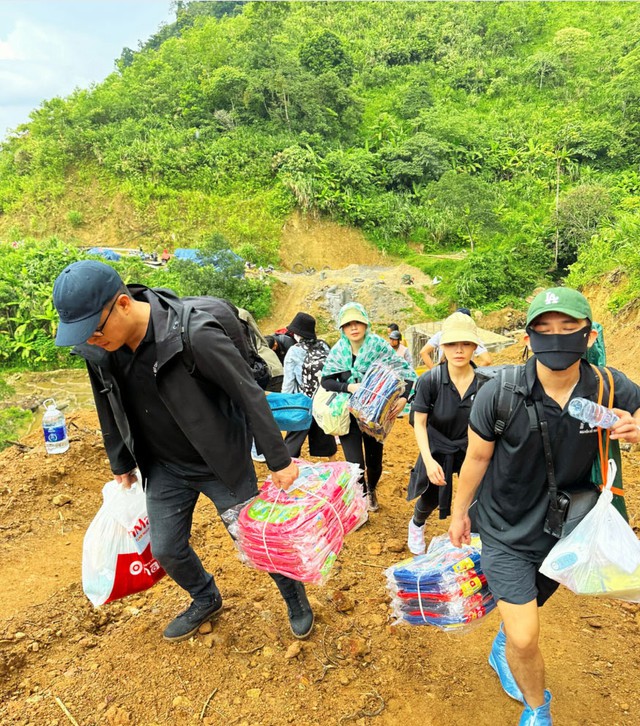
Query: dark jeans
(170,504)
(369,460)
(320,444)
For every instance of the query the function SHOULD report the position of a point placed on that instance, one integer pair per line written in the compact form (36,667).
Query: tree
(580,212)
(468,201)
(418,160)
(545,67)
(325,52)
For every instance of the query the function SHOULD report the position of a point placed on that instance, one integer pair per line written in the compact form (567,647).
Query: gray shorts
(513,579)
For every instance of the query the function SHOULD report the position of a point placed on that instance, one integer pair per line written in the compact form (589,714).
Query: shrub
(75,219)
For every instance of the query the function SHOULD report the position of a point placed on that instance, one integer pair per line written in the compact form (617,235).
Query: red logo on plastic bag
(135,573)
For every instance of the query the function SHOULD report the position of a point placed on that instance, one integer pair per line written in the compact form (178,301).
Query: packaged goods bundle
(373,402)
(444,587)
(299,532)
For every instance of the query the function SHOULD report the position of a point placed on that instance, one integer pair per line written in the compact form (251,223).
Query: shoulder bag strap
(548,456)
(604,434)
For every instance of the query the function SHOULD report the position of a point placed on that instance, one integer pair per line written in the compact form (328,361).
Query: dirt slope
(380,289)
(110,666)
(326,265)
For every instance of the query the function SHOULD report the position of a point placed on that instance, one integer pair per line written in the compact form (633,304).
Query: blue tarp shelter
(106,253)
(184,253)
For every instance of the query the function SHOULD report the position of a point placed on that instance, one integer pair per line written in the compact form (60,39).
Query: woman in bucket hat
(441,415)
(349,360)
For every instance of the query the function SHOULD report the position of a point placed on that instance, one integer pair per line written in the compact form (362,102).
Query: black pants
(171,501)
(320,444)
(427,503)
(369,460)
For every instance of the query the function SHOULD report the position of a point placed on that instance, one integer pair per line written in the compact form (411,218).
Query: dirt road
(62,661)
(111,666)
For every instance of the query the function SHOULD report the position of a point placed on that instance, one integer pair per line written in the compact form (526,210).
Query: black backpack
(316,355)
(511,390)
(238,330)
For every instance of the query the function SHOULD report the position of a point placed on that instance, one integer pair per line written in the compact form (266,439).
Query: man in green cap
(504,476)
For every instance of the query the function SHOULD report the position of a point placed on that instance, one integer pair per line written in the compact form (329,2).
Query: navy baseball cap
(80,293)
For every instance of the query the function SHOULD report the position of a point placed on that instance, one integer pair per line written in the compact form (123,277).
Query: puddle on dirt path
(69,387)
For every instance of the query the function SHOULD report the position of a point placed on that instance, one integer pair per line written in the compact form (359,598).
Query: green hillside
(508,129)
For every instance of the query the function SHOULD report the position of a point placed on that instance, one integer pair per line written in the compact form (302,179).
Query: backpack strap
(435,382)
(508,391)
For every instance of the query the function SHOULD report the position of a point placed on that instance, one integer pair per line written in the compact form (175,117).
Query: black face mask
(559,352)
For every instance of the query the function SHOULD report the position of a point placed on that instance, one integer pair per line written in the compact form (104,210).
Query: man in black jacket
(188,432)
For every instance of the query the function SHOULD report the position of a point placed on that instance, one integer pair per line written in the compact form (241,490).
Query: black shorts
(513,579)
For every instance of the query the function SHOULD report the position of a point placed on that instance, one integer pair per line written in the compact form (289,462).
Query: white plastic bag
(116,553)
(602,554)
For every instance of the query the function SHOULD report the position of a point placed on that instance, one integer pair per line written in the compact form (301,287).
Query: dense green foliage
(507,129)
(28,319)
(12,419)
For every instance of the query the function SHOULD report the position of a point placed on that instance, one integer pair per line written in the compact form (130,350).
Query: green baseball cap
(560,300)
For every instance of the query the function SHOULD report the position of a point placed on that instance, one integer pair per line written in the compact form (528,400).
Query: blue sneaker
(540,716)
(498,661)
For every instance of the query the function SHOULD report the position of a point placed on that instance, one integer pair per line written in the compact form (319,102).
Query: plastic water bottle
(54,428)
(592,413)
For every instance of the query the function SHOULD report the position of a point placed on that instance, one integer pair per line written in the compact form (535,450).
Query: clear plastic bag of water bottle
(601,556)
(54,428)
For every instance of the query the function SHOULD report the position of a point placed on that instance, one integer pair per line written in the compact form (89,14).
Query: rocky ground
(62,661)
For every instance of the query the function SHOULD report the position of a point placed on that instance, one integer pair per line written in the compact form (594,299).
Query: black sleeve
(422,402)
(626,393)
(218,361)
(336,382)
(121,460)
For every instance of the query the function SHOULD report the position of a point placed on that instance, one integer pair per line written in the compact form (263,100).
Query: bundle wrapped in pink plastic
(299,532)
(372,404)
(444,587)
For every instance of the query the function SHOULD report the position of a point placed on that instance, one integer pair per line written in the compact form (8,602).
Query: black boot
(189,621)
(298,607)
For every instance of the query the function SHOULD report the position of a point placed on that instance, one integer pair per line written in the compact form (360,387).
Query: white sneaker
(415,540)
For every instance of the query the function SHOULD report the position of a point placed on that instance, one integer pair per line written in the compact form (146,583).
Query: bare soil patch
(111,666)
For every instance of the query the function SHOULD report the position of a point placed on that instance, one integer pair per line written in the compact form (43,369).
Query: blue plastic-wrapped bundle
(444,587)
(372,404)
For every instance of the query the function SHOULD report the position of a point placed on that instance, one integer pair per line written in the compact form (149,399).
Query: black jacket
(219,408)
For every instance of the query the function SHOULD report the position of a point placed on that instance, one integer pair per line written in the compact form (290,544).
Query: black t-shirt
(156,435)
(513,497)
(285,342)
(449,413)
